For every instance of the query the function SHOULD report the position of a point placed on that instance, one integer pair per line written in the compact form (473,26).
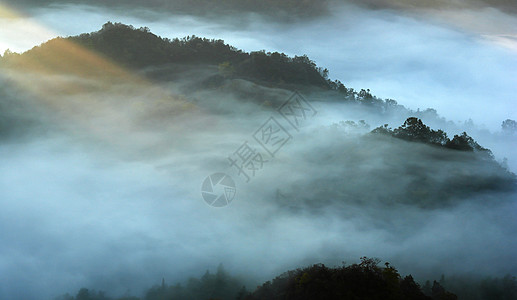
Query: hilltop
(164,59)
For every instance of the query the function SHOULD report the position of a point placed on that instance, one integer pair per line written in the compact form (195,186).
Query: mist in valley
(101,176)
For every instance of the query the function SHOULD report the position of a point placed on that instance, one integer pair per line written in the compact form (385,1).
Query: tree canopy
(414,130)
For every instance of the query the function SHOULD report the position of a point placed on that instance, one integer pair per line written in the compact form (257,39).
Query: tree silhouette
(509,126)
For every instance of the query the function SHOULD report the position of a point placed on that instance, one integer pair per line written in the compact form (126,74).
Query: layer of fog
(111,199)
(114,202)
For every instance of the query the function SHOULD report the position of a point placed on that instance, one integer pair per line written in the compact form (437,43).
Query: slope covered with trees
(364,280)
(411,180)
(414,130)
(165,59)
(138,48)
(409,165)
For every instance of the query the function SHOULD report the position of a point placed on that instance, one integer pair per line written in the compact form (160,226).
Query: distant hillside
(365,280)
(140,49)
(410,165)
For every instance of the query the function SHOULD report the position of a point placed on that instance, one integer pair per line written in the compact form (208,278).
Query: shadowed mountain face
(358,281)
(396,173)
(139,48)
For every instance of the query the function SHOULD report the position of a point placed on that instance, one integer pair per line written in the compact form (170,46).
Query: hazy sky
(114,203)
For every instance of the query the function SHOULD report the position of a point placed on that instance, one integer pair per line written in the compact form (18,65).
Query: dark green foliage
(366,99)
(220,285)
(279,68)
(365,280)
(414,130)
(139,48)
(210,286)
(499,288)
(86,294)
(438,292)
(464,142)
(410,289)
(426,289)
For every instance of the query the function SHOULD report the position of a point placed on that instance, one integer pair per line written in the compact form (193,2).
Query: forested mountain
(222,68)
(165,59)
(410,165)
(364,280)
(137,48)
